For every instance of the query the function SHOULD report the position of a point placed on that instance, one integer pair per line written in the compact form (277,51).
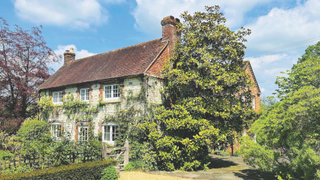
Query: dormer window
(84,94)
(112,92)
(57,97)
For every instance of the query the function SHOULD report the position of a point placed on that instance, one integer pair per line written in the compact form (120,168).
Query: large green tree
(306,72)
(205,92)
(288,133)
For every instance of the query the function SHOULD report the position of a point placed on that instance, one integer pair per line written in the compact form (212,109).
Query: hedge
(86,171)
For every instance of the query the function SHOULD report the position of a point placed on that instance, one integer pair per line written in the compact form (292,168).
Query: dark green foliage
(20,169)
(201,107)
(85,171)
(109,173)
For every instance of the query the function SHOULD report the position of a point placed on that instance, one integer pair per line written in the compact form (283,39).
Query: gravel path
(221,168)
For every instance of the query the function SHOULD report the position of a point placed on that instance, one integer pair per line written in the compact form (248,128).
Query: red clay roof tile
(128,61)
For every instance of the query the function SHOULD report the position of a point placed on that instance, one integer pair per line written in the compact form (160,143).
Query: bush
(9,143)
(221,153)
(109,173)
(137,164)
(35,137)
(130,166)
(90,170)
(5,154)
(19,169)
(237,153)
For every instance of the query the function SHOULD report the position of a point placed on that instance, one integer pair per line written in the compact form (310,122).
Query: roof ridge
(115,50)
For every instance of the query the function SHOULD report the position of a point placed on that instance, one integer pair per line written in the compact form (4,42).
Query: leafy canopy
(288,133)
(205,82)
(24,59)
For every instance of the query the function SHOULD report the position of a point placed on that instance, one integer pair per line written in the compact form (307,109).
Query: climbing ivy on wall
(73,108)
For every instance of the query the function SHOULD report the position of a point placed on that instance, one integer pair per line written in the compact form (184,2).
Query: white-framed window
(57,97)
(253,102)
(83,133)
(109,132)
(112,92)
(84,94)
(56,130)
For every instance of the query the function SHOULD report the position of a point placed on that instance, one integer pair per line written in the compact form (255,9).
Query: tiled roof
(128,61)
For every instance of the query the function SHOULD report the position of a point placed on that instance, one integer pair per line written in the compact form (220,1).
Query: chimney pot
(69,55)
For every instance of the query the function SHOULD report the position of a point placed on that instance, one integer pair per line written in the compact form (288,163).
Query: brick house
(102,76)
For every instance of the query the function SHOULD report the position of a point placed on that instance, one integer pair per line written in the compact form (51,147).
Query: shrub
(5,154)
(237,153)
(221,153)
(19,169)
(130,166)
(137,164)
(9,143)
(90,170)
(109,173)
(35,137)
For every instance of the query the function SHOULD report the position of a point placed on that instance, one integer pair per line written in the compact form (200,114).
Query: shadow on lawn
(220,163)
(252,174)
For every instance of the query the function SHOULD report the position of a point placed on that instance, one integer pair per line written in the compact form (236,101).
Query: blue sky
(98,26)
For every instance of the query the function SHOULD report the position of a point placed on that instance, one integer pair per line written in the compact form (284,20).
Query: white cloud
(285,26)
(72,13)
(262,90)
(79,54)
(148,14)
(267,68)
(264,60)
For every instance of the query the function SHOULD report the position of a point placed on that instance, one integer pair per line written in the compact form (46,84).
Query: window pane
(104,133)
(107,91)
(82,93)
(108,133)
(54,98)
(115,132)
(83,133)
(87,94)
(60,96)
(116,92)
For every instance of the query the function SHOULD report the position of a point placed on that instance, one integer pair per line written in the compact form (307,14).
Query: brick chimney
(69,56)
(169,30)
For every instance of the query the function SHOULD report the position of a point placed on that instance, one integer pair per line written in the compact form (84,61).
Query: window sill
(111,143)
(57,103)
(111,100)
